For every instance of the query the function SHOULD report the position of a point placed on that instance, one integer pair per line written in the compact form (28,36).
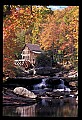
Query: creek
(44,108)
(48,106)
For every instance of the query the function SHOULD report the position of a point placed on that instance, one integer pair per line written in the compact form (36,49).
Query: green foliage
(18,72)
(20,42)
(43,60)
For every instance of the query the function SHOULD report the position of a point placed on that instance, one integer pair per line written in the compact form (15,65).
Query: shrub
(43,60)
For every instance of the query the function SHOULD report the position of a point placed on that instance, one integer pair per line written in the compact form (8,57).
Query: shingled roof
(34,47)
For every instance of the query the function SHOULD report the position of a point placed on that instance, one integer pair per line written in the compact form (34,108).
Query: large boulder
(24,92)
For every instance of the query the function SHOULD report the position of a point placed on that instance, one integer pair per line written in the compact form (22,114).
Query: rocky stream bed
(54,85)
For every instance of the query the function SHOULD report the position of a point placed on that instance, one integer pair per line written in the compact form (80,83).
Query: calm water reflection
(45,108)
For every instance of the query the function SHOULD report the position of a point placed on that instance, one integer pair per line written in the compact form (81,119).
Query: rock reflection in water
(26,111)
(67,111)
(45,108)
(57,108)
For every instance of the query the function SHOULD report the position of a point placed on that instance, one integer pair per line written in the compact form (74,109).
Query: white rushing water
(40,85)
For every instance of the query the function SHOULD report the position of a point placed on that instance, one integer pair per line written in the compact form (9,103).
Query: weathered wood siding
(29,55)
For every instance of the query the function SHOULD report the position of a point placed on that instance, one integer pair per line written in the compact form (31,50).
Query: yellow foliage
(21,11)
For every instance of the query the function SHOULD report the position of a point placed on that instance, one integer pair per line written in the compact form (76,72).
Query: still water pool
(45,108)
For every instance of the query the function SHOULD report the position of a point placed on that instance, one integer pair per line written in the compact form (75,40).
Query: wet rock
(59,74)
(47,71)
(23,81)
(42,92)
(55,94)
(61,86)
(73,88)
(39,91)
(71,73)
(48,89)
(67,94)
(53,81)
(76,93)
(75,83)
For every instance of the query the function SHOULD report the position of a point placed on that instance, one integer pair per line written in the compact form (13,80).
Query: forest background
(58,29)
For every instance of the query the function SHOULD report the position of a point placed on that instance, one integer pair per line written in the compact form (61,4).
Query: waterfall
(43,82)
(62,82)
(34,71)
(40,85)
(62,87)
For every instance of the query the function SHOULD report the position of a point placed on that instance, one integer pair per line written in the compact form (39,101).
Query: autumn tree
(22,18)
(71,19)
(14,27)
(62,30)
(52,30)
